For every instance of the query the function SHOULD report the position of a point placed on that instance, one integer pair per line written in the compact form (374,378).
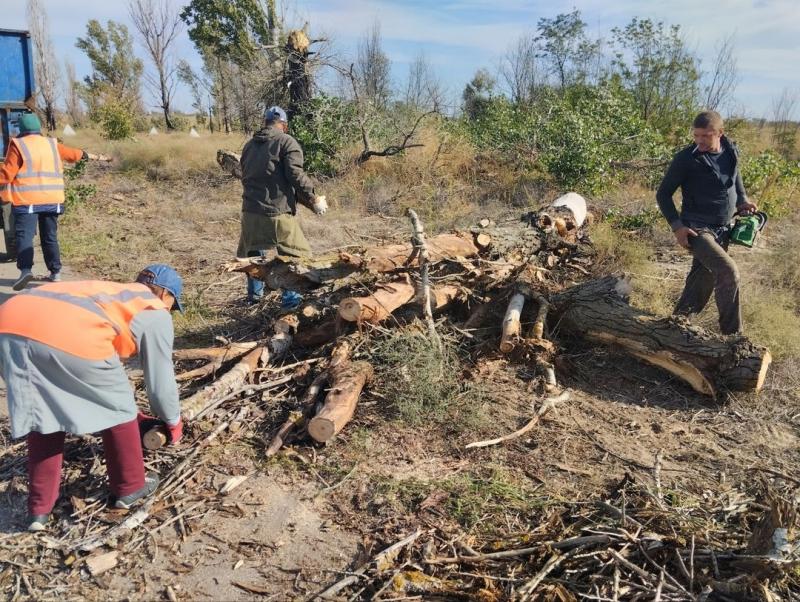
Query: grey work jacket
(272,175)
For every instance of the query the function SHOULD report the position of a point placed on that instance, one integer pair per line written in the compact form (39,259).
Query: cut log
(347,381)
(389,258)
(511,323)
(281,341)
(155,438)
(229,162)
(379,306)
(483,240)
(228,382)
(339,356)
(598,311)
(443,296)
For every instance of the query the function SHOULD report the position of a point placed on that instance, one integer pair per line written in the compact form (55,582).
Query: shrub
(327,128)
(773,180)
(116,120)
(75,193)
(577,136)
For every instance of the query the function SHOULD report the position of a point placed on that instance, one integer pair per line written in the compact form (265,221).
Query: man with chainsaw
(61,346)
(707,172)
(274,182)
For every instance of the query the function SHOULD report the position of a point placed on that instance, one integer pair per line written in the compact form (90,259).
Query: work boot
(7,257)
(53,277)
(150,484)
(38,522)
(25,276)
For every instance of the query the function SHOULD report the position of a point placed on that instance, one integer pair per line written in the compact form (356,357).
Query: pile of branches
(638,545)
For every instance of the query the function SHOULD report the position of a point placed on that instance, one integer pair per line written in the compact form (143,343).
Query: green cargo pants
(712,270)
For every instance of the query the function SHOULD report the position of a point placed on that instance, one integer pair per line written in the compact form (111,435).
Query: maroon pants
(121,446)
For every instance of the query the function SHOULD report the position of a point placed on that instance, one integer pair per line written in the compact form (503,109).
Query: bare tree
(784,109)
(72,101)
(423,88)
(372,68)
(159,24)
(519,69)
(724,77)
(45,64)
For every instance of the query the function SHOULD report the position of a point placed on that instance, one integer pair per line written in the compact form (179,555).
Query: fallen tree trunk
(347,380)
(378,306)
(598,311)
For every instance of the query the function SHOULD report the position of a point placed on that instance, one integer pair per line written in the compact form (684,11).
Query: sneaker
(150,484)
(53,277)
(25,276)
(38,522)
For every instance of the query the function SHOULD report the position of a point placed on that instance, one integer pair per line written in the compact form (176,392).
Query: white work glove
(320,204)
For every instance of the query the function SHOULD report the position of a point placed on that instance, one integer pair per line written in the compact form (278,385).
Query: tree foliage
(565,47)
(116,72)
(230,29)
(654,63)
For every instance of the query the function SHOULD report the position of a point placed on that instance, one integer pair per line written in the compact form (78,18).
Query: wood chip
(98,565)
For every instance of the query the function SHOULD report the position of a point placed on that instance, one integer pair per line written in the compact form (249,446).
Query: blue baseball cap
(275,114)
(167,278)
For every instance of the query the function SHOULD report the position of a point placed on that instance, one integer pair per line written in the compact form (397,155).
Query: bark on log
(511,323)
(320,334)
(598,311)
(378,306)
(389,258)
(347,381)
(224,385)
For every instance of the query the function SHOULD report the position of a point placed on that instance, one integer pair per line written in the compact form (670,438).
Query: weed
(421,381)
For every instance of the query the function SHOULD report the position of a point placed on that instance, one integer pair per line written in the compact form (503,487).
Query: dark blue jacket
(707,199)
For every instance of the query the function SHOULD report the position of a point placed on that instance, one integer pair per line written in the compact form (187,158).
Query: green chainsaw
(746,228)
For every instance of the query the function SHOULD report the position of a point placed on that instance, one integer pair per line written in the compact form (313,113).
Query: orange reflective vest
(40,180)
(90,319)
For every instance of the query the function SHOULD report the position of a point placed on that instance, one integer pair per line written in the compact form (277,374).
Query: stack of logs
(528,267)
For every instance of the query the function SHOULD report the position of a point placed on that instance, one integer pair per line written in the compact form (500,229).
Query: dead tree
(44,62)
(158,24)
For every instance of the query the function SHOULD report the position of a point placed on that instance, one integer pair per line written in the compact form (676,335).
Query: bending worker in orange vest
(32,180)
(60,351)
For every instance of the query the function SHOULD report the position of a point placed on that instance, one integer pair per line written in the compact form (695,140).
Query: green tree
(654,63)
(230,29)
(478,94)
(563,44)
(116,72)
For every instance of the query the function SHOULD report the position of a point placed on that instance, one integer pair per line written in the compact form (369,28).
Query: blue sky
(460,36)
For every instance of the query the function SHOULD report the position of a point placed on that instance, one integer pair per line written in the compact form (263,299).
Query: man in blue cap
(61,351)
(32,182)
(274,182)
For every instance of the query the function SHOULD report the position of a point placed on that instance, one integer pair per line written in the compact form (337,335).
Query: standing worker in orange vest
(32,180)
(60,351)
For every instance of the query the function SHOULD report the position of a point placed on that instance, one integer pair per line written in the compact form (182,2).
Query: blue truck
(17,88)
(17,85)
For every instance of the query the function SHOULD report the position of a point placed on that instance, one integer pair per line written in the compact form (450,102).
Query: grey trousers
(712,271)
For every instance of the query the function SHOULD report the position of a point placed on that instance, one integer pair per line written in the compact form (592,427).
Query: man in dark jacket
(707,173)
(274,182)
